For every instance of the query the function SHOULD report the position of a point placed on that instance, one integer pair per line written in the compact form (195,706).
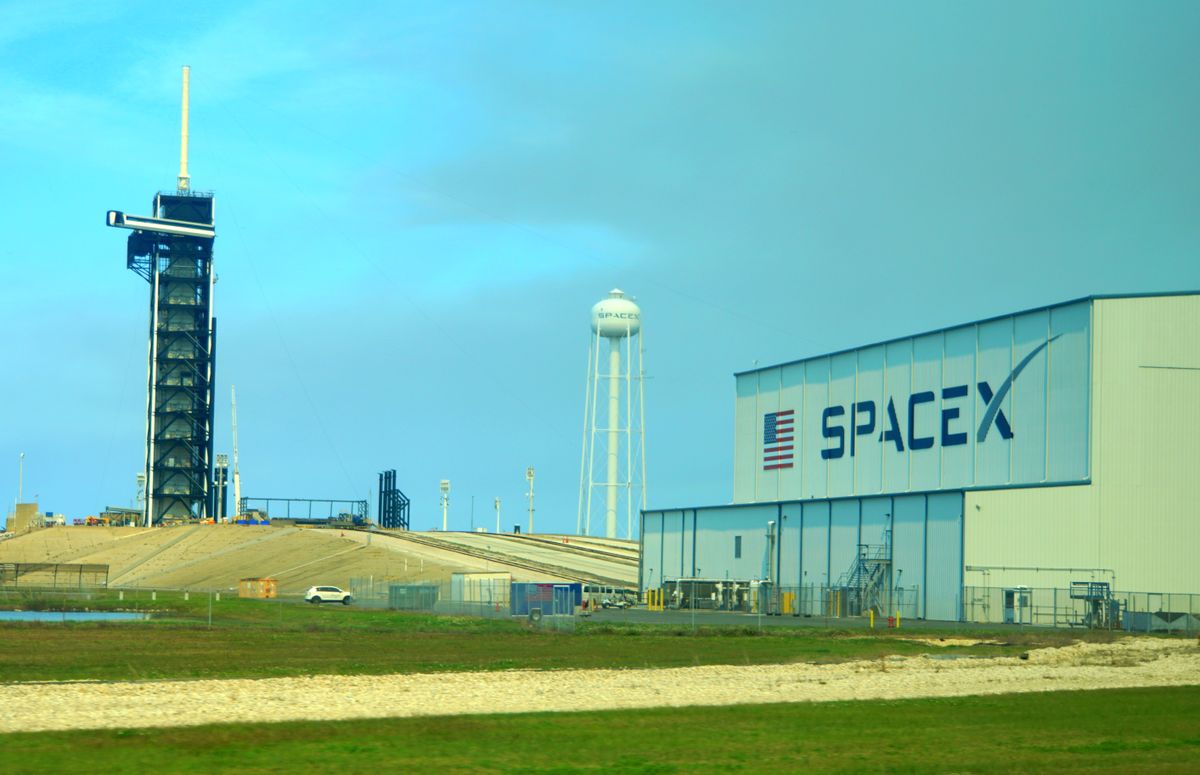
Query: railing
(865,584)
(1056,607)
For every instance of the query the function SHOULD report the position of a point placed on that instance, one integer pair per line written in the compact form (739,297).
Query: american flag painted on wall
(778,437)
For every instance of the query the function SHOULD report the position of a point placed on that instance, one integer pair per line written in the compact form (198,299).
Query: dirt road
(86,705)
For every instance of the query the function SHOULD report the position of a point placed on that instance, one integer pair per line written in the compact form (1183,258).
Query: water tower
(619,441)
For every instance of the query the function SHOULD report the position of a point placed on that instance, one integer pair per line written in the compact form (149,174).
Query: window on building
(737,547)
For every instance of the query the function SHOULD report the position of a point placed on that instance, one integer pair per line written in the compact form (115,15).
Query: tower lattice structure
(182,359)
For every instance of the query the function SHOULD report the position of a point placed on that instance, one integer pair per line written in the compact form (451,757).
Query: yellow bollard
(897,620)
(871,616)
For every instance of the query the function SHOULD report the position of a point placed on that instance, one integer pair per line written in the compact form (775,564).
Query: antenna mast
(237,477)
(184,180)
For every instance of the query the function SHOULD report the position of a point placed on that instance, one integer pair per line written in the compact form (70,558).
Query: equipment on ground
(1102,611)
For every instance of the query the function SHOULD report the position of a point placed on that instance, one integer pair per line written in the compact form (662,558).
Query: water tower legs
(614,436)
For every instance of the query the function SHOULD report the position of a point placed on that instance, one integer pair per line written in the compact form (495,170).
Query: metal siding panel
(1050,393)
(685,545)
(868,452)
(747,432)
(843,537)
(1148,441)
(925,464)
(908,544)
(767,488)
(1028,418)
(789,537)
(876,518)
(1068,387)
(671,558)
(943,557)
(958,369)
(1037,527)
(840,470)
(994,363)
(816,398)
(651,550)
(791,396)
(816,543)
(715,541)
(897,385)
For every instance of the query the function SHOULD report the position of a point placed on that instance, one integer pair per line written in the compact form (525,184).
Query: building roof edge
(1093,297)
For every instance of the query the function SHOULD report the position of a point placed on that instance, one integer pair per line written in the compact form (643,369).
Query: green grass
(268,638)
(1128,730)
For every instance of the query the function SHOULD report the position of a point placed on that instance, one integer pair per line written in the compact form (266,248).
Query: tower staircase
(867,583)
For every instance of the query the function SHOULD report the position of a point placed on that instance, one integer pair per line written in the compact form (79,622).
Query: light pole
(445,503)
(21,478)
(529,477)
(497,516)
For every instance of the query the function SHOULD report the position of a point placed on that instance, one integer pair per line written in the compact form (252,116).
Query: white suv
(327,595)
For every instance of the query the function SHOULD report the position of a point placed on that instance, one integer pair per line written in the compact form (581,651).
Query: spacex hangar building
(1023,451)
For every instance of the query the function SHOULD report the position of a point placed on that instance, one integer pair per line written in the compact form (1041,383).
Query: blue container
(552,599)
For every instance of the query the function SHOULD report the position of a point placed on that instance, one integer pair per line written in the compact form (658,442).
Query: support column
(614,435)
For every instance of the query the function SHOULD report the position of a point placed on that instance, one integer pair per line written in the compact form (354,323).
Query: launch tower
(172,250)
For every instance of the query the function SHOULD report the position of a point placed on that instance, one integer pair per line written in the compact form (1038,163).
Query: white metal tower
(621,440)
(237,476)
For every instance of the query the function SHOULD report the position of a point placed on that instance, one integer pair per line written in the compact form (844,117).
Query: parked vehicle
(320,595)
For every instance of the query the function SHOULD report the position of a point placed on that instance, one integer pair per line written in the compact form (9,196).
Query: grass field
(1130,730)
(260,639)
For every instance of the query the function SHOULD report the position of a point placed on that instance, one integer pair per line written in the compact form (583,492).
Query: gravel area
(96,705)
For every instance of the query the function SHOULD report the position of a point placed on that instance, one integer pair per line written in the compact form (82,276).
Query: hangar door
(943,556)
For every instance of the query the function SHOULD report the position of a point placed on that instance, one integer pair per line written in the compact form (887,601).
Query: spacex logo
(617,315)
(926,425)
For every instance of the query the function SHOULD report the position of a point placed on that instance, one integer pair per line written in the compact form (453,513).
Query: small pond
(71,616)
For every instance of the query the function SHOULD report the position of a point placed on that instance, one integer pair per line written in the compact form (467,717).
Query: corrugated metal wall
(1105,421)
(918,414)
(1141,515)
(818,543)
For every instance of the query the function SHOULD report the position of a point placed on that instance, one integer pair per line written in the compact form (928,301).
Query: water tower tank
(616,316)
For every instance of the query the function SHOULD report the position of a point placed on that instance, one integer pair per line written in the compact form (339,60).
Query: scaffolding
(393,504)
(182,355)
(337,513)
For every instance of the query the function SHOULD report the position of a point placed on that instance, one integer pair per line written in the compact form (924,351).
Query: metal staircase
(867,584)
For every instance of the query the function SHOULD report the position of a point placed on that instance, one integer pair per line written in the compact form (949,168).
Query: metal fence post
(693,602)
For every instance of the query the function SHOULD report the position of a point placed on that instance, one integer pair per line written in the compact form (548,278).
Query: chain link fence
(558,606)
(812,600)
(1066,607)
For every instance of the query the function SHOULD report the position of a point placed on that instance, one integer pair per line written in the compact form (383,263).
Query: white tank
(616,316)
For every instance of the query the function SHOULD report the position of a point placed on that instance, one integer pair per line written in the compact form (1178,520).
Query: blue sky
(417,204)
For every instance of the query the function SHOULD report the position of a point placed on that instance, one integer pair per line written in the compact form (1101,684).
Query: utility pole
(529,477)
(21,479)
(497,516)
